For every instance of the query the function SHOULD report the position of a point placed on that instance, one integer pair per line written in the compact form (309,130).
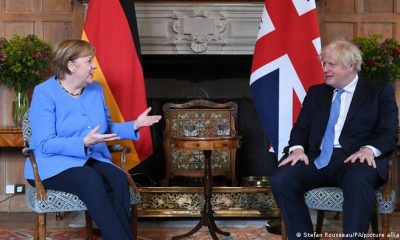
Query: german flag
(111,27)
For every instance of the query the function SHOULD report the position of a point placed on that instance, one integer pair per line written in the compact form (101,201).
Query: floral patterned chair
(43,201)
(199,118)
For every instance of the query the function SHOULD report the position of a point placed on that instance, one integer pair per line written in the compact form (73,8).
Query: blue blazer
(372,120)
(59,123)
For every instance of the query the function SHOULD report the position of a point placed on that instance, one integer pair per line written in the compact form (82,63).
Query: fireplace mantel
(198,27)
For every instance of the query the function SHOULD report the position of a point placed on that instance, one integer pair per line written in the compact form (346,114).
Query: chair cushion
(135,196)
(26,127)
(331,199)
(58,201)
(326,198)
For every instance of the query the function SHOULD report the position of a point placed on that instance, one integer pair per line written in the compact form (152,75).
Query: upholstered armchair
(331,199)
(198,118)
(43,201)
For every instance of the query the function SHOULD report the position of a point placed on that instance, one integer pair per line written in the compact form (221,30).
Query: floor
(77,220)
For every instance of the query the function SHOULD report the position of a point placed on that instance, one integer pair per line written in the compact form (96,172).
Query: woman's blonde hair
(69,50)
(345,52)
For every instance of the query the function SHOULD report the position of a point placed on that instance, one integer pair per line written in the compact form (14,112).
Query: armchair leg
(60,215)
(338,215)
(40,228)
(385,225)
(320,221)
(89,226)
(283,227)
(134,220)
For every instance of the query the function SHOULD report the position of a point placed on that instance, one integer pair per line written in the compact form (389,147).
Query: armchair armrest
(39,187)
(124,151)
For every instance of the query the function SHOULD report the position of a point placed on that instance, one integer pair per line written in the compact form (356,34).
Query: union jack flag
(285,64)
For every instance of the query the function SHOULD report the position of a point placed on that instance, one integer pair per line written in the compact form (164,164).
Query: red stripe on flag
(108,29)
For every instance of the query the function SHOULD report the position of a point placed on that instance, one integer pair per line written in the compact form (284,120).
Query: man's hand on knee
(295,156)
(363,155)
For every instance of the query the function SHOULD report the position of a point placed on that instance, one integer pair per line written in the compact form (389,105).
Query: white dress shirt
(345,98)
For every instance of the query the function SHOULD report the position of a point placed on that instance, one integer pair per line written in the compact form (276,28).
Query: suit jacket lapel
(326,103)
(359,94)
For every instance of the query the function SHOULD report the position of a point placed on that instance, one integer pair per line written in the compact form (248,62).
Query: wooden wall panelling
(336,30)
(2,6)
(6,98)
(57,31)
(52,20)
(379,6)
(385,29)
(342,6)
(49,19)
(58,7)
(2,173)
(368,16)
(12,166)
(18,27)
(396,6)
(20,6)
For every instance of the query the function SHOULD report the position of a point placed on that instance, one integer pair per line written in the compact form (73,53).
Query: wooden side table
(11,137)
(207,144)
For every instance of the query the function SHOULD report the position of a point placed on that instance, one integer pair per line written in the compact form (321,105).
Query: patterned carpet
(245,233)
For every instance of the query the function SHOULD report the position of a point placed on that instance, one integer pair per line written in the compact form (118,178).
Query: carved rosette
(199,28)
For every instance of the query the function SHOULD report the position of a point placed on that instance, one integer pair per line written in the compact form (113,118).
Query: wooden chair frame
(40,224)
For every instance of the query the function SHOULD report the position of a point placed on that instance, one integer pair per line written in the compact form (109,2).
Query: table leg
(207,217)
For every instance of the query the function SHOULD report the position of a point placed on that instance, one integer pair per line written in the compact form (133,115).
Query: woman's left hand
(144,120)
(93,137)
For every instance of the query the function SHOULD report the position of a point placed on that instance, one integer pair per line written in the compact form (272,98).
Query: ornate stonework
(198,28)
(188,27)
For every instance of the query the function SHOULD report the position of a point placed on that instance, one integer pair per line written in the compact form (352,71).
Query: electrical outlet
(20,189)
(10,189)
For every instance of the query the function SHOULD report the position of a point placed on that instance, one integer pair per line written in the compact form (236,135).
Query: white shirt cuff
(376,151)
(295,147)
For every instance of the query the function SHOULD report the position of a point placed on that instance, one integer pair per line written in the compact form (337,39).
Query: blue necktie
(327,144)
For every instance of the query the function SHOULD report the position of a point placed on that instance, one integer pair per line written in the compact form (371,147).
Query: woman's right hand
(93,137)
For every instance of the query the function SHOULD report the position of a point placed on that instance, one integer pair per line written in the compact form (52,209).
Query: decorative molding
(193,28)
(188,202)
(189,27)
(199,27)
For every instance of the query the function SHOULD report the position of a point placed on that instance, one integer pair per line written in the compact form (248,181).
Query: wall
(52,20)
(350,18)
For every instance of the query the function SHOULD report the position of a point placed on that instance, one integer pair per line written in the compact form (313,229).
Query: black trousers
(358,181)
(105,191)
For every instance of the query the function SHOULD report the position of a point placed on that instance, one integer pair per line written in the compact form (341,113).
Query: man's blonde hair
(345,52)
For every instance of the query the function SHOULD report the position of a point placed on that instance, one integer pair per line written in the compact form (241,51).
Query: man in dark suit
(346,129)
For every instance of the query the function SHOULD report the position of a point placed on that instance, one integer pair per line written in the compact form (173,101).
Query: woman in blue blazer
(70,124)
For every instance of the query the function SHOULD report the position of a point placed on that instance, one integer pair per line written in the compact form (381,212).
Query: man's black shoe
(274,226)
